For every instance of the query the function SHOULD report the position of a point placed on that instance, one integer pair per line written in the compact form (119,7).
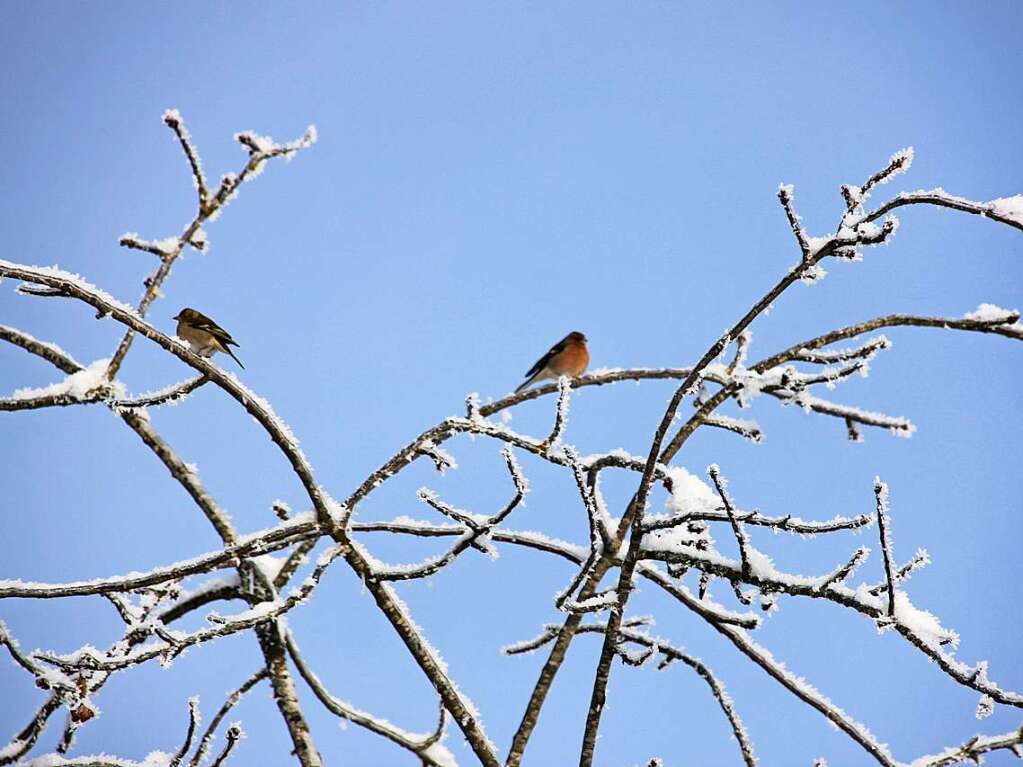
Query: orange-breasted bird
(203,335)
(568,357)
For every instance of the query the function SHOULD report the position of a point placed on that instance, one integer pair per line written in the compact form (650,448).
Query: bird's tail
(228,350)
(526,383)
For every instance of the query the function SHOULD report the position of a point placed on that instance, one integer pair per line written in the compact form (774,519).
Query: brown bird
(203,335)
(568,357)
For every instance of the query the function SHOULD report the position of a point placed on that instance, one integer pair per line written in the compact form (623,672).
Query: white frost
(1009,207)
(993,314)
(76,386)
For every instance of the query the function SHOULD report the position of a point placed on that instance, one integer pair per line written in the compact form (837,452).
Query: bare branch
(173,121)
(746,429)
(192,233)
(48,351)
(175,645)
(233,735)
(169,395)
(560,412)
(842,573)
(258,543)
(785,197)
(941,199)
(29,734)
(974,749)
(193,721)
(232,699)
(1009,330)
(919,560)
(740,534)
(475,532)
(418,745)
(808,694)
(881,493)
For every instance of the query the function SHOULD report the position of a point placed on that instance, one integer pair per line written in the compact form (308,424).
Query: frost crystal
(985,707)
(1009,207)
(993,314)
(77,385)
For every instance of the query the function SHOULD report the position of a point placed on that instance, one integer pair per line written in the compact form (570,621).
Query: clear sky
(488,178)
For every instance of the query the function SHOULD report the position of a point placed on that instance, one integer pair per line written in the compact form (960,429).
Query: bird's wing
(205,323)
(541,363)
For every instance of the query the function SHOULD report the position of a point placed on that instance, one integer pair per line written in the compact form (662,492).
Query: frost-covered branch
(231,737)
(634,543)
(785,198)
(477,530)
(174,644)
(426,747)
(207,210)
(974,749)
(787,524)
(48,351)
(211,730)
(193,721)
(669,655)
(172,119)
(920,559)
(255,544)
(740,534)
(920,628)
(881,492)
(807,693)
(1006,326)
(1008,210)
(842,573)
(168,395)
(20,744)
(560,412)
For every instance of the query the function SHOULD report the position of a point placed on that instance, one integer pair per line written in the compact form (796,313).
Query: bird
(203,335)
(568,357)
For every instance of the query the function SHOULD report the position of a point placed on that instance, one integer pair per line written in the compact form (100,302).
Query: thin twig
(881,494)
(232,699)
(740,535)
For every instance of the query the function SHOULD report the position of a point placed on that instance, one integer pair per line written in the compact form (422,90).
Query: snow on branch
(635,543)
(255,544)
(883,523)
(476,529)
(211,730)
(427,748)
(48,351)
(172,119)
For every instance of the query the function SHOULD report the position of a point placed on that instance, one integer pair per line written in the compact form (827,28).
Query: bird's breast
(572,361)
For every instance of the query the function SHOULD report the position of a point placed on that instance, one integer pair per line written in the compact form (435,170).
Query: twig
(560,412)
(881,494)
(163,397)
(474,533)
(417,745)
(29,734)
(740,535)
(233,735)
(49,352)
(232,699)
(785,197)
(844,571)
(920,559)
(262,542)
(806,693)
(173,121)
(974,749)
(193,720)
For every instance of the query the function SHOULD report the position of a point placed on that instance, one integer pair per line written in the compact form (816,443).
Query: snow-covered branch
(634,540)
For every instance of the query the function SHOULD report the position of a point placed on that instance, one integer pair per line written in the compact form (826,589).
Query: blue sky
(488,178)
